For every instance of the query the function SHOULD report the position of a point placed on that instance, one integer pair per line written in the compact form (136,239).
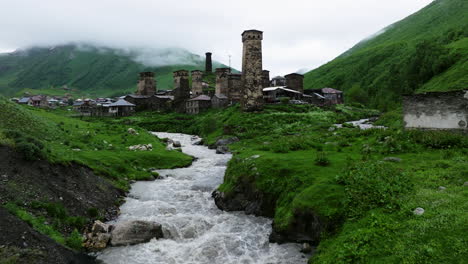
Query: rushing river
(195,230)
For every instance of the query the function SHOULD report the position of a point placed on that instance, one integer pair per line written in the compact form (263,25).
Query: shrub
(373,185)
(75,240)
(93,212)
(321,159)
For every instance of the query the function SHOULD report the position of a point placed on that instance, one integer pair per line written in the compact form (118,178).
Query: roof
(137,96)
(330,91)
(37,98)
(24,100)
(221,96)
(201,98)
(319,96)
(78,103)
(170,97)
(269,89)
(121,102)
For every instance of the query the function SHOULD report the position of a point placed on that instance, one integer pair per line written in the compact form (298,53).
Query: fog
(299,35)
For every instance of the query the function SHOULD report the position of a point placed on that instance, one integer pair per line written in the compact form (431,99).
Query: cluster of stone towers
(246,88)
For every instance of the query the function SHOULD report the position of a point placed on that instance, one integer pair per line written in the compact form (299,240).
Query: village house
(219,101)
(121,108)
(25,101)
(332,96)
(198,104)
(436,110)
(273,95)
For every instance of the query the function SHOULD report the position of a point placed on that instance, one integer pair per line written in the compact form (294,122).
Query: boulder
(418,211)
(222,150)
(392,159)
(442,188)
(132,131)
(100,227)
(96,242)
(306,248)
(226,141)
(465,184)
(176,144)
(135,232)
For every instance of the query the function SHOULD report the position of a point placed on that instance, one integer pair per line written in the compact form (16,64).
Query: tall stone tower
(265,78)
(208,63)
(146,84)
(222,82)
(181,90)
(252,94)
(295,81)
(197,83)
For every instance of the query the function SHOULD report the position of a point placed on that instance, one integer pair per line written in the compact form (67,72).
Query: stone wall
(222,84)
(235,87)
(252,94)
(146,84)
(295,82)
(445,110)
(265,78)
(197,83)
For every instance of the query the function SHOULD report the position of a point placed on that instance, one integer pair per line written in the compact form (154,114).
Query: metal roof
(201,98)
(24,100)
(269,89)
(330,90)
(121,102)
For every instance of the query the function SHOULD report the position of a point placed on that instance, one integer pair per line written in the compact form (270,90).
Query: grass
(341,177)
(100,144)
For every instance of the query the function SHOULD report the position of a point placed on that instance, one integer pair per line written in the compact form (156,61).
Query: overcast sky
(298,34)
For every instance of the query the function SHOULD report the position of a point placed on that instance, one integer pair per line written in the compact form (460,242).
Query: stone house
(25,101)
(273,95)
(332,96)
(197,104)
(39,101)
(219,101)
(121,108)
(436,110)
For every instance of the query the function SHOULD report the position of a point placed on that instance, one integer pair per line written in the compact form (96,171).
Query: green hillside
(85,71)
(427,51)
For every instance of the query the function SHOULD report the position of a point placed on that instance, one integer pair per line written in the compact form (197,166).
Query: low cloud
(298,34)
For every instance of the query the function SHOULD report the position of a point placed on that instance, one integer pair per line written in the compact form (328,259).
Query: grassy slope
(103,146)
(88,72)
(372,226)
(396,61)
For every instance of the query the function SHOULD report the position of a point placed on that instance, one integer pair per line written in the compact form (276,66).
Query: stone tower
(181,90)
(197,83)
(222,82)
(208,63)
(265,78)
(146,84)
(252,94)
(295,82)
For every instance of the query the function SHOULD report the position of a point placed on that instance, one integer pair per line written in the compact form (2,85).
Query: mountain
(427,51)
(86,70)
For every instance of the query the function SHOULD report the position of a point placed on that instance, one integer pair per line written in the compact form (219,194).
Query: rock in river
(135,232)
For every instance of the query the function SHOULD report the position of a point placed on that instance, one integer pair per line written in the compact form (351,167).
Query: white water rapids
(195,230)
